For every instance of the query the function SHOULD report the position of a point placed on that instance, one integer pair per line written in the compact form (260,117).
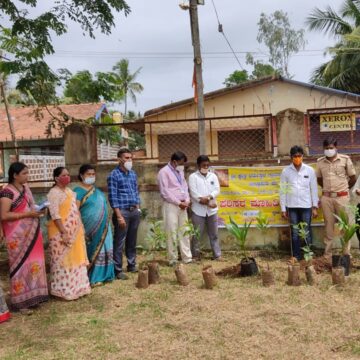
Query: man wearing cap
(336,175)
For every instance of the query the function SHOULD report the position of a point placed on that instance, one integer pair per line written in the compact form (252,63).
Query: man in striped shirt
(176,200)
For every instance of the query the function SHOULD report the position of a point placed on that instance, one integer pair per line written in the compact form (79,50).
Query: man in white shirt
(298,196)
(204,187)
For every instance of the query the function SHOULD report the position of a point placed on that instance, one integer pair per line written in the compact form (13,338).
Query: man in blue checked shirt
(124,199)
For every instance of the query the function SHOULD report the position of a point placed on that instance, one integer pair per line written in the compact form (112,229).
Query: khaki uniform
(335,175)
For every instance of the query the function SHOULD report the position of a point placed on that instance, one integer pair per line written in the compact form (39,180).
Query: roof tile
(28,127)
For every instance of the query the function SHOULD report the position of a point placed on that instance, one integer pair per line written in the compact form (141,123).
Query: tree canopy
(259,71)
(125,82)
(281,40)
(82,87)
(28,38)
(343,70)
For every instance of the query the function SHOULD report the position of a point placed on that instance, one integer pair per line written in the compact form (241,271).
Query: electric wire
(221,30)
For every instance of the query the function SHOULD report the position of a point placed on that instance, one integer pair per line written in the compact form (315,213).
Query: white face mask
(90,180)
(128,165)
(204,171)
(330,153)
(180,168)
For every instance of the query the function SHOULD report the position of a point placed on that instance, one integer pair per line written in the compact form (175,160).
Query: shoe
(190,261)
(173,263)
(121,276)
(219,258)
(196,259)
(132,270)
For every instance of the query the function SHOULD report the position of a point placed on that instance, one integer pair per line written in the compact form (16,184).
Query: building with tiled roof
(32,129)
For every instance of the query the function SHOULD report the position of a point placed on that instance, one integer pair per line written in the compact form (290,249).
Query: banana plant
(240,234)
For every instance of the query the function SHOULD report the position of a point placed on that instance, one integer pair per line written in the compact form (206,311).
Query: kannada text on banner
(246,191)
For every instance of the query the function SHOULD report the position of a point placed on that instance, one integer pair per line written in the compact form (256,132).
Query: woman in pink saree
(21,226)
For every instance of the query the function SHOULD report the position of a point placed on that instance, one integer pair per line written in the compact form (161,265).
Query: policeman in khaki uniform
(336,175)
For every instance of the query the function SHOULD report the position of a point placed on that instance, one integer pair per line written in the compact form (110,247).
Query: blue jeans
(126,238)
(297,215)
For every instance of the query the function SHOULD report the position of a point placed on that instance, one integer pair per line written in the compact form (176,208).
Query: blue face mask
(90,180)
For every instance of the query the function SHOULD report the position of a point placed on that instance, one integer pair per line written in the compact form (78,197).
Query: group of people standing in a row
(82,249)
(299,200)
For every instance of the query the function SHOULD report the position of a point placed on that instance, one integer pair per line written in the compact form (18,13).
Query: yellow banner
(337,122)
(247,191)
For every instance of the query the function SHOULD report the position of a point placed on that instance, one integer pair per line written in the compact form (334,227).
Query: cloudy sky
(156,37)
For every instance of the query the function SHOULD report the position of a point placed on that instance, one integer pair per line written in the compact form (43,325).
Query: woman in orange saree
(68,267)
(23,236)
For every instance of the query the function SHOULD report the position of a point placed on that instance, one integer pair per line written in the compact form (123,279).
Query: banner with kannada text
(246,191)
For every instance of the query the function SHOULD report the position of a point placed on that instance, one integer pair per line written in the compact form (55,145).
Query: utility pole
(195,35)
(6,104)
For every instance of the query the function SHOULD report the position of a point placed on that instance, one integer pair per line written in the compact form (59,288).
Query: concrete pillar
(80,144)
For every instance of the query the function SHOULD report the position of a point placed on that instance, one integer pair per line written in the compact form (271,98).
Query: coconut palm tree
(125,81)
(343,70)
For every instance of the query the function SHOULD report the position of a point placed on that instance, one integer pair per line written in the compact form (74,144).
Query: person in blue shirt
(125,202)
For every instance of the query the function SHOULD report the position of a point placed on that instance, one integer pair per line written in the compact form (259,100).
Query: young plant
(285,188)
(190,230)
(346,227)
(302,229)
(262,224)
(240,234)
(155,239)
(143,213)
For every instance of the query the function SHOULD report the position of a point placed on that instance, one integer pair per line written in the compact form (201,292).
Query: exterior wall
(276,96)
(38,148)
(290,130)
(278,238)
(41,167)
(287,101)
(107,151)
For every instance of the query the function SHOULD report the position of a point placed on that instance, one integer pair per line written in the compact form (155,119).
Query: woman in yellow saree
(68,266)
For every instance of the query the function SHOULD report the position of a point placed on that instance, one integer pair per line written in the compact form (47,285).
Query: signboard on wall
(337,122)
(247,191)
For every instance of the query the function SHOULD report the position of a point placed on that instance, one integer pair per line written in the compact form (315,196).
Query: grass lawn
(239,319)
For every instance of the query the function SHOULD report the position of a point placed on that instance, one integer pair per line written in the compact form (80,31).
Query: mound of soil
(232,271)
(321,265)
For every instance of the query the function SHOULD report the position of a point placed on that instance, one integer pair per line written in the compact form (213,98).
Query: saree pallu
(99,239)
(4,311)
(26,253)
(68,267)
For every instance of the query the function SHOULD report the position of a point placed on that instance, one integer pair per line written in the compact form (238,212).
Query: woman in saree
(21,227)
(95,217)
(68,266)
(4,311)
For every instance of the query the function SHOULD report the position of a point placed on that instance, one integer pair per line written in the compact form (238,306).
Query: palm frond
(328,21)
(351,10)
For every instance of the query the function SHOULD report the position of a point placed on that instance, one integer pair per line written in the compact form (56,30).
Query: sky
(156,37)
